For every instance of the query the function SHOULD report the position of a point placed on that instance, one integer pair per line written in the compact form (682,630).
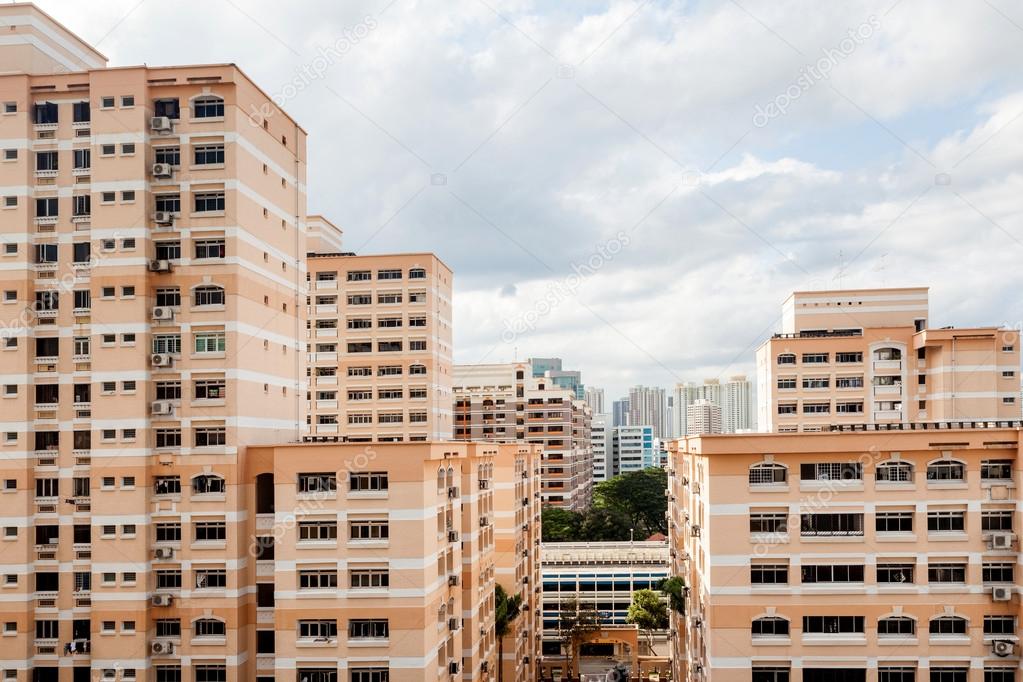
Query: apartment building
(868,356)
(379,344)
(152,280)
(632,449)
(517,529)
(601,445)
(594,397)
(495,402)
(553,369)
(620,412)
(703,416)
(648,405)
(884,555)
(734,396)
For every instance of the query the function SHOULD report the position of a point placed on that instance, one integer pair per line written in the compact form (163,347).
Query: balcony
(326,285)
(264,521)
(83,551)
(265,662)
(264,568)
(47,173)
(46,552)
(326,404)
(46,600)
(324,357)
(326,381)
(888,389)
(326,428)
(264,615)
(326,309)
(895,365)
(887,415)
(46,647)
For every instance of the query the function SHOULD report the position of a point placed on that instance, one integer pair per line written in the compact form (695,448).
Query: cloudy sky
(636,185)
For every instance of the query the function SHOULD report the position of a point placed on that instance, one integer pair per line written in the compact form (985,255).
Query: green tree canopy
(560,525)
(649,612)
(675,588)
(634,501)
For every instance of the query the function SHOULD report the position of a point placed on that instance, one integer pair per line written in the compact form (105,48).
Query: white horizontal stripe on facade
(402,662)
(44,27)
(853,310)
(973,394)
(924,662)
(858,297)
(42,46)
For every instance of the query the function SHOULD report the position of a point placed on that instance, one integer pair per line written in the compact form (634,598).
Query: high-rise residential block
(379,344)
(703,416)
(620,412)
(601,444)
(734,396)
(552,369)
(507,402)
(868,356)
(887,555)
(632,449)
(594,398)
(648,405)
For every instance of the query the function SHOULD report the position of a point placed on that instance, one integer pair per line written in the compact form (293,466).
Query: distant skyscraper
(647,405)
(702,417)
(595,399)
(562,378)
(620,412)
(734,397)
(600,444)
(632,448)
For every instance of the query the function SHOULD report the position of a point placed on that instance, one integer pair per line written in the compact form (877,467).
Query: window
(896,626)
(768,522)
(946,470)
(999,674)
(770,626)
(128,148)
(816,408)
(208,107)
(168,250)
(946,573)
(995,520)
(210,342)
(368,629)
(317,579)
(325,482)
(815,358)
(208,484)
(831,573)
(787,408)
(769,574)
(209,531)
(389,297)
(893,522)
(831,524)
(849,357)
(996,470)
(786,359)
(368,530)
(894,472)
(416,345)
(208,295)
(168,438)
(763,673)
(948,625)
(210,436)
(46,208)
(785,383)
(816,382)
(168,390)
(831,471)
(389,274)
(359,276)
(166,673)
(210,248)
(167,485)
(997,572)
(999,625)
(168,579)
(317,629)
(209,154)
(167,343)
(168,155)
(209,389)
(209,201)
(363,482)
(948,674)
(895,573)
(417,369)
(44,113)
(367,578)
(209,627)
(833,625)
(210,578)
(317,530)
(170,203)
(168,532)
(946,521)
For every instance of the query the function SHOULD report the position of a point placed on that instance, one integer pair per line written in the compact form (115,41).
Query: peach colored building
(379,347)
(495,402)
(885,556)
(867,356)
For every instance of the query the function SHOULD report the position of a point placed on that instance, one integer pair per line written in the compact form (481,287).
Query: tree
(648,612)
(600,524)
(506,610)
(675,588)
(574,622)
(639,495)
(560,525)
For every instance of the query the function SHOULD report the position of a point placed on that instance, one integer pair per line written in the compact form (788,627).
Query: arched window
(208,294)
(786,358)
(894,471)
(207,106)
(770,626)
(440,478)
(209,627)
(208,484)
(767,473)
(417,273)
(451,477)
(948,625)
(896,626)
(946,470)
(417,369)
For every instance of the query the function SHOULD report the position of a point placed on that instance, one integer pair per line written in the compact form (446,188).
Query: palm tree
(506,610)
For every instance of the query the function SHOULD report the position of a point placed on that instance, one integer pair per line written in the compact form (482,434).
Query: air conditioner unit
(452,623)
(159,266)
(162,600)
(1001,593)
(160,124)
(162,360)
(452,536)
(452,580)
(163,553)
(452,492)
(162,170)
(161,407)
(163,218)
(161,648)
(1002,647)
(163,312)
(453,668)
(696,531)
(1000,541)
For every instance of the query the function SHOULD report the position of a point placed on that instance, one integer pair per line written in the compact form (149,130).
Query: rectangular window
(368,629)
(996,470)
(895,573)
(210,342)
(170,203)
(210,248)
(317,629)
(210,578)
(209,154)
(831,573)
(833,625)
(317,579)
(997,572)
(368,578)
(168,155)
(317,530)
(362,482)
(209,201)
(946,521)
(831,471)
(893,522)
(831,524)
(946,573)
(368,530)
(209,531)
(769,574)
(210,436)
